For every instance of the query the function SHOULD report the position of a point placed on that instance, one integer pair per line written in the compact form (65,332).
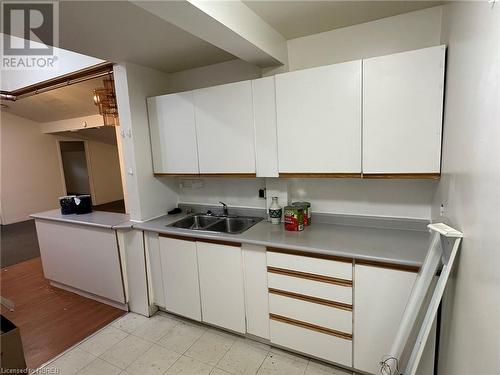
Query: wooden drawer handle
(320,301)
(309,255)
(312,327)
(194,239)
(310,276)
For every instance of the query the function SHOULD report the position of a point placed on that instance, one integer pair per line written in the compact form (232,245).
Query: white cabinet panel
(380,297)
(402,111)
(266,142)
(225,128)
(221,285)
(257,304)
(319,119)
(152,245)
(173,133)
(310,312)
(180,277)
(81,257)
(317,266)
(307,341)
(331,292)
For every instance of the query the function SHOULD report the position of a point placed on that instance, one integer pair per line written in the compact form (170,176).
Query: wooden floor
(51,320)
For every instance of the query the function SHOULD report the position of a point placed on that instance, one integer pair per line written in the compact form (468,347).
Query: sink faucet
(224,207)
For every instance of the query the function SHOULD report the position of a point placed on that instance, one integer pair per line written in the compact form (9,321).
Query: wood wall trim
(319,175)
(310,326)
(392,266)
(310,276)
(197,239)
(309,254)
(177,237)
(219,242)
(320,301)
(431,176)
(95,69)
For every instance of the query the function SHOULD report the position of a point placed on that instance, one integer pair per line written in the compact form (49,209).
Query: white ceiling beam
(228,25)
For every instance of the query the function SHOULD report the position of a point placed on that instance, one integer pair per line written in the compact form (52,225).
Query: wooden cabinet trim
(392,266)
(319,175)
(320,301)
(239,175)
(310,276)
(309,254)
(194,239)
(177,237)
(431,176)
(310,326)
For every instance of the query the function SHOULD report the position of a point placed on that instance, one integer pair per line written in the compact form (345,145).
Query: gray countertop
(101,219)
(397,246)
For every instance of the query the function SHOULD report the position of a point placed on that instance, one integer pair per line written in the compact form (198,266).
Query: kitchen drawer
(321,313)
(317,264)
(311,342)
(321,289)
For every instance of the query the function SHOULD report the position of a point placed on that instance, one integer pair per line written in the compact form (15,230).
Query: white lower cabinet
(380,297)
(180,277)
(221,285)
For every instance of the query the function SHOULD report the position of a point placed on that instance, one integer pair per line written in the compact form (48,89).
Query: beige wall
(147,196)
(31,180)
(404,32)
(470,188)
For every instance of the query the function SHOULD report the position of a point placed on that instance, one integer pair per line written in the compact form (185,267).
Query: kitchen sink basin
(221,224)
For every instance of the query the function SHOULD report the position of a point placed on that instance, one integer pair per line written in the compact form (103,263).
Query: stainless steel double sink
(220,224)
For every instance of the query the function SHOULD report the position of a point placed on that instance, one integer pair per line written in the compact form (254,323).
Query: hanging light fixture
(105,100)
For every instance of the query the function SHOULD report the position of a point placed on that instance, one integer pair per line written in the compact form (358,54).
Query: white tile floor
(168,345)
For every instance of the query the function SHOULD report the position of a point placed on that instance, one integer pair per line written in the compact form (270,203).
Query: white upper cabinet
(319,119)
(402,112)
(173,133)
(225,128)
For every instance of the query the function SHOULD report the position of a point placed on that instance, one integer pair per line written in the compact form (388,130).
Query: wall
(470,188)
(147,196)
(211,75)
(67,62)
(30,176)
(404,32)
(395,198)
(105,176)
(234,192)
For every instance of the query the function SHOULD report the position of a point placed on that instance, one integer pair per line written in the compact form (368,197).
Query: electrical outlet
(262,193)
(441,210)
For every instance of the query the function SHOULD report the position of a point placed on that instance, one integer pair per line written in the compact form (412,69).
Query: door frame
(87,160)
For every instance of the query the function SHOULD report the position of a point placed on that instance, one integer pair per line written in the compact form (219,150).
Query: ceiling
(294,19)
(120,31)
(59,104)
(105,134)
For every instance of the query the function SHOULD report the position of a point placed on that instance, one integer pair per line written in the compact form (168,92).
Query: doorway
(75,167)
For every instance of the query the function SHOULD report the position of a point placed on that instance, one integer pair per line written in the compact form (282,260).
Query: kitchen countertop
(396,246)
(101,219)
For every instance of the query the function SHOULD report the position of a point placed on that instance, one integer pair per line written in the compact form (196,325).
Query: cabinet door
(380,297)
(221,285)
(266,143)
(319,119)
(402,112)
(224,124)
(180,277)
(173,133)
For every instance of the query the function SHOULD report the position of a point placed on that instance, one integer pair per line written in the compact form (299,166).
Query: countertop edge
(182,233)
